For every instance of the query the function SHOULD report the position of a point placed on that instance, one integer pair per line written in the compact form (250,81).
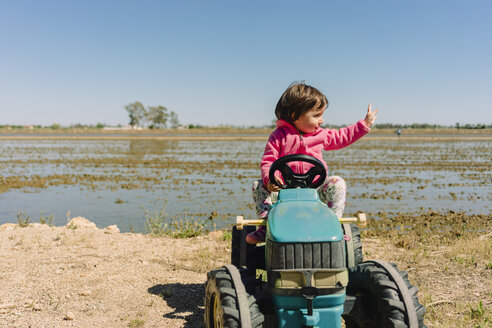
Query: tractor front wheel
(222,302)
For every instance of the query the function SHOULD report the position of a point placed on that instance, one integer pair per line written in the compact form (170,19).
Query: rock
(28,303)
(36,307)
(8,226)
(69,316)
(112,229)
(86,293)
(81,222)
(216,234)
(39,225)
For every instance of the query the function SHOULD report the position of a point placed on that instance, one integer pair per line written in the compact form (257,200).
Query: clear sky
(228,62)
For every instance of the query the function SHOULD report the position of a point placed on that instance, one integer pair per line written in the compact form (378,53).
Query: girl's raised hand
(370,116)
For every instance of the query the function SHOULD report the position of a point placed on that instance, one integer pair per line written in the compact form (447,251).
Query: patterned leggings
(332,192)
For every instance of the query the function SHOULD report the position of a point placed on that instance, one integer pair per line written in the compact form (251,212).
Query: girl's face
(310,120)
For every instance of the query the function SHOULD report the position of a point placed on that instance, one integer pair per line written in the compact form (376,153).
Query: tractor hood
(300,217)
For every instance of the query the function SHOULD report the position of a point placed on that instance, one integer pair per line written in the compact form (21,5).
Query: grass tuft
(478,311)
(136,323)
(227,235)
(46,219)
(189,227)
(23,220)
(155,224)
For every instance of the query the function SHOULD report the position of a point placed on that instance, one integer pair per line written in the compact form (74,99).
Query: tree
(136,111)
(152,116)
(173,119)
(157,116)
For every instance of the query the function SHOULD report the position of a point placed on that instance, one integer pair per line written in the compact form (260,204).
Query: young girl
(300,115)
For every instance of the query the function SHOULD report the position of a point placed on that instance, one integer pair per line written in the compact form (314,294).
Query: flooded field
(114,180)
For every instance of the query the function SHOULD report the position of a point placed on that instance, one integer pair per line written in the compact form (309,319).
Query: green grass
(46,219)
(157,224)
(477,312)
(23,220)
(136,323)
(227,235)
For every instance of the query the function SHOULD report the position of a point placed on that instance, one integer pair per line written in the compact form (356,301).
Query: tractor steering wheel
(297,180)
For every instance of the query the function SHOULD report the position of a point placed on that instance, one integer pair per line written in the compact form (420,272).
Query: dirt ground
(88,277)
(75,276)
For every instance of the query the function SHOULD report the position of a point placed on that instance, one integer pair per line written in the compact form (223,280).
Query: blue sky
(228,62)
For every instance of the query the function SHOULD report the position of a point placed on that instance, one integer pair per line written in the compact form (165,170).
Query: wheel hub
(217,309)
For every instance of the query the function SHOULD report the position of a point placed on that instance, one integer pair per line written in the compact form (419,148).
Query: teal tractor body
(305,260)
(309,272)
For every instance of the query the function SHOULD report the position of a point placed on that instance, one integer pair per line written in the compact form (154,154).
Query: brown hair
(298,99)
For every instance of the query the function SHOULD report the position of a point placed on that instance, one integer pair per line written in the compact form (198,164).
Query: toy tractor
(310,271)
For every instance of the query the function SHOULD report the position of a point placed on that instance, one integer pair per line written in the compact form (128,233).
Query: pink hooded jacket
(286,140)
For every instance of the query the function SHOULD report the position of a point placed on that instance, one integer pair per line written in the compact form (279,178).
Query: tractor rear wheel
(240,250)
(353,245)
(222,301)
(385,298)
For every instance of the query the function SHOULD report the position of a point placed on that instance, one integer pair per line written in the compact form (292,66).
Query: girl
(300,115)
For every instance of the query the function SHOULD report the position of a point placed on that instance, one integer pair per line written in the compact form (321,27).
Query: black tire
(383,300)
(353,246)
(221,302)
(239,248)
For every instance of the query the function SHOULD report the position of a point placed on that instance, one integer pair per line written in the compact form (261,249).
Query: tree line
(152,117)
